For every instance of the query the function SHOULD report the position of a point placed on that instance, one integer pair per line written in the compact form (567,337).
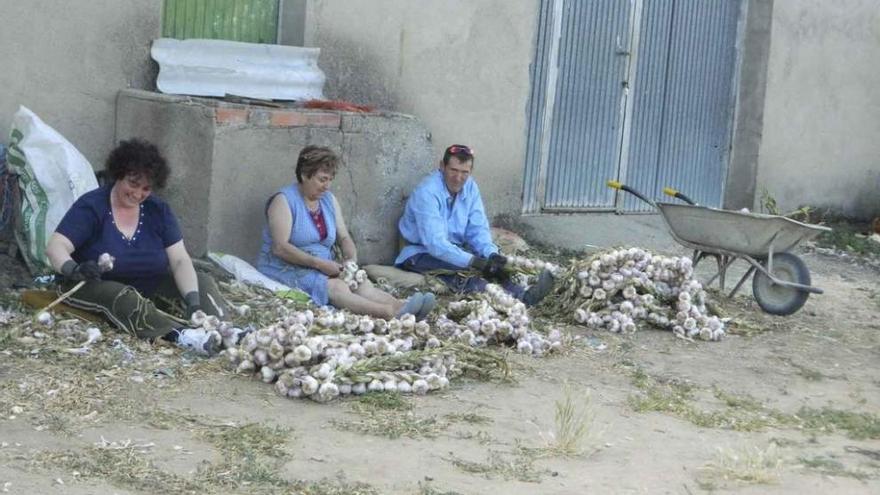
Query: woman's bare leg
(342,297)
(369,291)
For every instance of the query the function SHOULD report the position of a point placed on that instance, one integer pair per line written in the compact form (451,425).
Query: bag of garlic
(52,174)
(619,288)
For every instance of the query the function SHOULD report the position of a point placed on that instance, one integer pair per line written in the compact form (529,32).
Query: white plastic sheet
(217,68)
(245,272)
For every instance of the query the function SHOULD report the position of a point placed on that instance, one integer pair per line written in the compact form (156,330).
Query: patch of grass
(482,437)
(471,418)
(573,433)
(749,465)
(384,401)
(58,423)
(398,421)
(259,476)
(847,236)
(832,467)
(746,328)
(740,413)
(244,470)
(858,426)
(426,489)
(809,374)
(125,467)
(500,465)
(250,439)
(744,413)
(130,468)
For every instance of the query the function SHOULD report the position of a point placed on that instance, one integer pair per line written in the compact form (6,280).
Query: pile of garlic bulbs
(531,266)
(325,353)
(617,289)
(495,318)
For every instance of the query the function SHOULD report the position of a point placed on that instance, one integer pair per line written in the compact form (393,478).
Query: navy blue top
(140,261)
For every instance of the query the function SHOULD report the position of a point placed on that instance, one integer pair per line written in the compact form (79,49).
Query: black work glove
(495,266)
(87,270)
(191,303)
(479,263)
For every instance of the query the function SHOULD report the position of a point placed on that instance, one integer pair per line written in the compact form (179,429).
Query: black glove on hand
(87,270)
(191,303)
(479,264)
(495,266)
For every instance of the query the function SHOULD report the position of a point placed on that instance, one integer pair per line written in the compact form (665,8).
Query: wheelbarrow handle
(613,184)
(675,194)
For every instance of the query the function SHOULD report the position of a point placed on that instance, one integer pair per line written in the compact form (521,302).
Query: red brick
(287,118)
(324,119)
(231,115)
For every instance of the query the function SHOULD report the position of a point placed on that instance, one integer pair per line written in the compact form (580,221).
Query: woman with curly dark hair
(139,230)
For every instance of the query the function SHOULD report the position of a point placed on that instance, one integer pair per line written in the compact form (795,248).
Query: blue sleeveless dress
(304,235)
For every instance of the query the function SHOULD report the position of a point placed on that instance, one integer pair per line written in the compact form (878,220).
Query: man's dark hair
(138,157)
(461,152)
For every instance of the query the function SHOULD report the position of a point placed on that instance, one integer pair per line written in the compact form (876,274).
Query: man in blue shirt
(445,227)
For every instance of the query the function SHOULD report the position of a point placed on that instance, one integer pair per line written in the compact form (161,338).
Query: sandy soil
(668,416)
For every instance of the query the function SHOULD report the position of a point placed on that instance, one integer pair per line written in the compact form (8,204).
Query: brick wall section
(277,118)
(229,116)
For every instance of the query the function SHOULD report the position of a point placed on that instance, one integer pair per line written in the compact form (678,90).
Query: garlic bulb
(105,262)
(420,387)
(309,385)
(352,275)
(245,366)
(268,374)
(328,391)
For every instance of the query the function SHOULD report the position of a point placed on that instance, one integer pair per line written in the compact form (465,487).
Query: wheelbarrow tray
(734,232)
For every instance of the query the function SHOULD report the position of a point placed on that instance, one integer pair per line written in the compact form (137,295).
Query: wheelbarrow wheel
(778,299)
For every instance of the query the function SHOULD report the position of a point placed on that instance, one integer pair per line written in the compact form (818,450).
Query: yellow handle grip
(669,191)
(613,184)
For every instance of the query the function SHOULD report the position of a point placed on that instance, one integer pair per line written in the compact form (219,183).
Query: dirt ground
(781,405)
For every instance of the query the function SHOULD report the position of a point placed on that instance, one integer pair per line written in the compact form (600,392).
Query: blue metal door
(634,90)
(682,100)
(584,102)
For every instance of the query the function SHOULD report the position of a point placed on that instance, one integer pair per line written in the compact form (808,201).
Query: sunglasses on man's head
(458,149)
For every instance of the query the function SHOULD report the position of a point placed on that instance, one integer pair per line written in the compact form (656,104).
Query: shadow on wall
(354,74)
(865,202)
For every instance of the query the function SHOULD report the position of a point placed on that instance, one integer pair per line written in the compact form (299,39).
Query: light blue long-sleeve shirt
(448,228)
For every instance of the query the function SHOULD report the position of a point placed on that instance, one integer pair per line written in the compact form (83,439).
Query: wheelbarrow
(781,282)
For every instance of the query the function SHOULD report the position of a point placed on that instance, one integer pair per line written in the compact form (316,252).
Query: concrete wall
(748,124)
(227,160)
(460,66)
(66,60)
(821,143)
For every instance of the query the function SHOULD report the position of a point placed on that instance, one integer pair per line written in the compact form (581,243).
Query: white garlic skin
(45,318)
(309,385)
(420,387)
